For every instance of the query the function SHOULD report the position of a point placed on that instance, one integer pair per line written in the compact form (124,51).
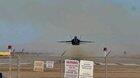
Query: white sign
(86,69)
(71,69)
(49,64)
(39,66)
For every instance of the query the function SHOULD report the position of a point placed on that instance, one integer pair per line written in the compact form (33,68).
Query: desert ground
(114,71)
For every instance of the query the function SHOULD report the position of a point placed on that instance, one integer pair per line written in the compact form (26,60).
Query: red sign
(71,68)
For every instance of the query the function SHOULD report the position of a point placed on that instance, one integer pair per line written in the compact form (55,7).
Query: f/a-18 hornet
(76,41)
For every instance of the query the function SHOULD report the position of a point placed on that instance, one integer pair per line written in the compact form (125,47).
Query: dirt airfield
(114,71)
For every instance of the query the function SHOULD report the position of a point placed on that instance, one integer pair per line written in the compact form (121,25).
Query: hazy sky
(38,24)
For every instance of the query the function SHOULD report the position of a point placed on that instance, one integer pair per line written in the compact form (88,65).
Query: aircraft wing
(64,41)
(87,42)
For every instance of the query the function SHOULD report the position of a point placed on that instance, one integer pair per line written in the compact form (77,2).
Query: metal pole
(105,66)
(18,66)
(10,65)
(10,61)
(106,63)
(61,71)
(62,63)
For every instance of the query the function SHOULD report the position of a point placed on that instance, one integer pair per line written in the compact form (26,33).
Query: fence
(23,65)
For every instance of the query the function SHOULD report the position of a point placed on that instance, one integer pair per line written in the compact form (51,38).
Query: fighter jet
(76,41)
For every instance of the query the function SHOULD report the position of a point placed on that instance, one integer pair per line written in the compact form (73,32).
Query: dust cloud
(76,51)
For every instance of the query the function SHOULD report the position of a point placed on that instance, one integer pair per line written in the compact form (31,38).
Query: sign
(5,53)
(71,68)
(86,69)
(49,64)
(39,66)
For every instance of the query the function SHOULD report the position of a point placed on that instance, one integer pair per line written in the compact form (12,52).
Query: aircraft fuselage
(75,41)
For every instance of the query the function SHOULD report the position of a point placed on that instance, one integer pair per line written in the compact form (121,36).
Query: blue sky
(38,24)
(17,33)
